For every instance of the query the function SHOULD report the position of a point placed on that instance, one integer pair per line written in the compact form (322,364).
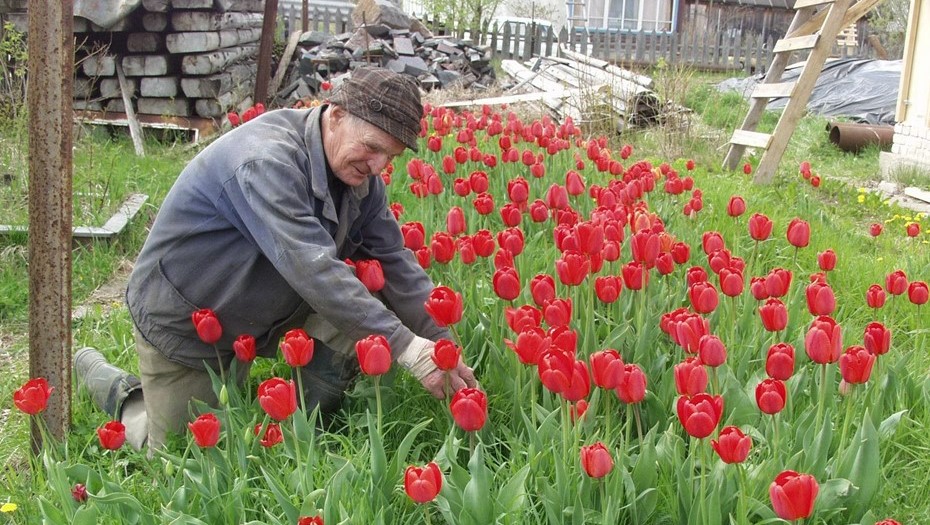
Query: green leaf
(51,513)
(477,497)
(281,495)
(887,427)
(835,494)
(861,464)
(512,496)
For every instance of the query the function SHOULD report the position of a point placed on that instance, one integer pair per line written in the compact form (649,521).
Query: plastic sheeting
(863,90)
(105,13)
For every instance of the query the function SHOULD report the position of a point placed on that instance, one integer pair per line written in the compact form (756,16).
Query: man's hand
(418,360)
(459,377)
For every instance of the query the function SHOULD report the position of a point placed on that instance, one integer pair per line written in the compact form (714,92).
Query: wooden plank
(796,43)
(814,23)
(801,4)
(773,90)
(196,42)
(283,63)
(752,139)
(215,61)
(208,21)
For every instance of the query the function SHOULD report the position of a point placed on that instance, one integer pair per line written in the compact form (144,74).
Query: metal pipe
(853,137)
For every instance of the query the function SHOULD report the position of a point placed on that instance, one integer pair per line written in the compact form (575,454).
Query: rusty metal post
(263,76)
(51,65)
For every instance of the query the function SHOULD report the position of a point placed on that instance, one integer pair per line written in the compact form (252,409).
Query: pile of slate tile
(386,37)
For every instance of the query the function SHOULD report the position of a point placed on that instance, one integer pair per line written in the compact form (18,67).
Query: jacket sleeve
(273,203)
(406,284)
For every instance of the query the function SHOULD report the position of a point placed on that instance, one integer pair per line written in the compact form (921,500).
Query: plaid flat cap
(386,99)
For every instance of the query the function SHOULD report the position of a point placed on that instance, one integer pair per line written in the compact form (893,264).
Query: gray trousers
(168,388)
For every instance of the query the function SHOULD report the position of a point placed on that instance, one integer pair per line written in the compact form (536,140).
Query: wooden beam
(264,51)
(285,61)
(812,25)
(50,45)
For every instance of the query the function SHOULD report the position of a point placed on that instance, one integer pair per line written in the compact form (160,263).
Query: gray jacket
(250,230)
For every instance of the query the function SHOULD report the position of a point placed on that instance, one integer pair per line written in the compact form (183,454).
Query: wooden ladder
(815,26)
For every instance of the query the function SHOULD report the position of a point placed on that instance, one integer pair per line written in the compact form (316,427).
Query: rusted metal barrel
(853,137)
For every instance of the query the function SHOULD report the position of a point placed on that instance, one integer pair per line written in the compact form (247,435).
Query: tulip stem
(628,426)
(775,431)
(297,445)
(378,403)
(849,415)
(823,395)
(426,517)
(639,423)
(219,362)
(742,517)
(472,443)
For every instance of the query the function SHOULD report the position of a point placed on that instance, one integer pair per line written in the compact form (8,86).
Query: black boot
(327,378)
(108,385)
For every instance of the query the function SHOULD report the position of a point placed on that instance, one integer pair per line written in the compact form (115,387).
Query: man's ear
(336,113)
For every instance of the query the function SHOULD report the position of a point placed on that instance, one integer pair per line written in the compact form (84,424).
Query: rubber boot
(108,385)
(327,378)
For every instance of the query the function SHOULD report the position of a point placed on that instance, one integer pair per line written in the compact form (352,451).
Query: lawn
(562,441)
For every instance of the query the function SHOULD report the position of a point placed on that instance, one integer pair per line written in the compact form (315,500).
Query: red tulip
(690,377)
(478,180)
(414,235)
(774,315)
(233,119)
(424,257)
(483,243)
(732,446)
(244,348)
(272,435)
(422,484)
(207,325)
(539,212)
(310,520)
(558,312)
(444,305)
(606,368)
(877,338)
(760,227)
(798,233)
(712,351)
(631,386)
(579,384)
(689,330)
(824,340)
(712,241)
(461,187)
(644,246)
(206,430)
(747,168)
(887,521)
(370,273)
(506,283)
(736,206)
(542,287)
(579,409)
(555,369)
(913,229)
(875,229)
(511,240)
(779,362)
(793,495)
(483,203)
(856,364)
(596,460)
(519,319)
(757,288)
(79,493)
(699,414)
(297,347)
(778,282)
(681,252)
(608,288)
(556,197)
(820,298)
(455,221)
(112,435)
(511,215)
(917,292)
(572,267)
(446,354)
(518,190)
(703,297)
(896,282)
(827,260)
(574,183)
(374,355)
(635,276)
(33,396)
(278,398)
(875,296)
(665,263)
(442,246)
(695,274)
(771,395)
(466,248)
(530,344)
(469,409)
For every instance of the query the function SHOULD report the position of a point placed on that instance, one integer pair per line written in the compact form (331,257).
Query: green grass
(345,460)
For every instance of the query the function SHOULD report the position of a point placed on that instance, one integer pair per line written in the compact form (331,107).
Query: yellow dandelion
(880,259)
(861,199)
(861,190)
(8,507)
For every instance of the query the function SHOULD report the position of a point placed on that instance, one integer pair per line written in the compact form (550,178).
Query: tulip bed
(647,352)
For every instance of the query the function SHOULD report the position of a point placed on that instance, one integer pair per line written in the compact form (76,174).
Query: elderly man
(257,228)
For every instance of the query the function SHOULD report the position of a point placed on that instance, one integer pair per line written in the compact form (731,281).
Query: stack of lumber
(585,89)
(182,58)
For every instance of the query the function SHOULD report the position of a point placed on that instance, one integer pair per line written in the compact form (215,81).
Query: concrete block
(99,65)
(164,106)
(109,87)
(159,86)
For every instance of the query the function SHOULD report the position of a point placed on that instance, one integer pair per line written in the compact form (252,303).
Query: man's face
(356,149)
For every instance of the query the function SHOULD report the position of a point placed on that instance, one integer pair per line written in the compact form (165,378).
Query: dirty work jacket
(250,230)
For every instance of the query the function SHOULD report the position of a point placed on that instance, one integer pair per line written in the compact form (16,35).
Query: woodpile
(585,89)
(387,37)
(178,58)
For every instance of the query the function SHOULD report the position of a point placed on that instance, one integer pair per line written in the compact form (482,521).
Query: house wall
(911,146)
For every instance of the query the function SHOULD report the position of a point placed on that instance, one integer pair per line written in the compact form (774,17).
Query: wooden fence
(717,49)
